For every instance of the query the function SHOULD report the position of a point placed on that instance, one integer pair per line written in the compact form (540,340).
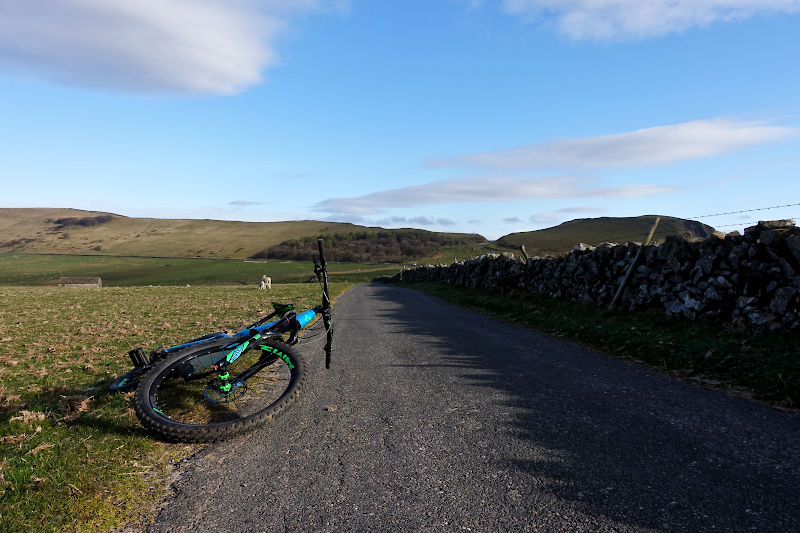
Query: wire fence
(745,211)
(666,228)
(750,222)
(746,221)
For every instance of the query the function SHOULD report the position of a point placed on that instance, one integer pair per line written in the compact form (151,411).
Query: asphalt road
(438,419)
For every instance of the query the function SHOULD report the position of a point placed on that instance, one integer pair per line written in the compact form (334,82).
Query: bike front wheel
(181,397)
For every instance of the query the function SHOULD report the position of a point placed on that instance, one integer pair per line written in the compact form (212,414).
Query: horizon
(653,216)
(458,116)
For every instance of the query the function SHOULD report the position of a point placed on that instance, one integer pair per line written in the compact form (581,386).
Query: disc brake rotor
(213,394)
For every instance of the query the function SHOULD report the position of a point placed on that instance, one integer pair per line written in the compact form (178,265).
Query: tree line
(84,221)
(387,246)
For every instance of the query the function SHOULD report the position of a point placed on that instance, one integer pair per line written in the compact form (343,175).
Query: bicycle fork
(269,356)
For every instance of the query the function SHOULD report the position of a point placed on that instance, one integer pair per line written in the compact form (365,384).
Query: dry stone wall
(749,281)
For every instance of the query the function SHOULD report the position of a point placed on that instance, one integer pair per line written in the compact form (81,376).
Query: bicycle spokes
(251,383)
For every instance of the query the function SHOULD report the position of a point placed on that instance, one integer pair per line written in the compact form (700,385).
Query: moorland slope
(594,231)
(77,232)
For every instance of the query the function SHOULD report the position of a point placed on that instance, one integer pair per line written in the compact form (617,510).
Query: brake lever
(318,269)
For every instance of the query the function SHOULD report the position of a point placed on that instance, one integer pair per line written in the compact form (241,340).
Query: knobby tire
(174,402)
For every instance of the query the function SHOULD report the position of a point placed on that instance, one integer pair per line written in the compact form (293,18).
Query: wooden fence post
(633,264)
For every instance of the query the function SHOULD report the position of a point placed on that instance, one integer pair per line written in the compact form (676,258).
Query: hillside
(72,231)
(561,239)
(76,232)
(383,245)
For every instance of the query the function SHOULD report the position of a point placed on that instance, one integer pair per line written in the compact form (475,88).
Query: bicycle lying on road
(220,385)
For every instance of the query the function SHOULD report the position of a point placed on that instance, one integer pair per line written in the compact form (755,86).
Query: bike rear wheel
(181,399)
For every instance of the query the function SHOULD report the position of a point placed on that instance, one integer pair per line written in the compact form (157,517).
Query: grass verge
(765,367)
(73,456)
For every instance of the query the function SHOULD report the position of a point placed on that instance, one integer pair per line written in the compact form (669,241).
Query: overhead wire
(745,211)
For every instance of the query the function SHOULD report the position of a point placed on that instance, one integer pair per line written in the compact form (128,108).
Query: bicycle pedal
(138,357)
(156,355)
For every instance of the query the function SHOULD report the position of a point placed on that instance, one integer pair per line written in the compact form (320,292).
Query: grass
(34,269)
(765,367)
(73,455)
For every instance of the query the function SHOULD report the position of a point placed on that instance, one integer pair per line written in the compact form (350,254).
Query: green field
(73,456)
(34,269)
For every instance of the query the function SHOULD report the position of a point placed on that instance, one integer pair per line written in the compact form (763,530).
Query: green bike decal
(279,353)
(234,355)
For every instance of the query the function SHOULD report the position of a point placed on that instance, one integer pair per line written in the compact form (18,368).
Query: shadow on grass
(65,405)
(109,426)
(613,438)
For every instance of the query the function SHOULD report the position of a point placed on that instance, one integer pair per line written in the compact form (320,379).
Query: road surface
(434,418)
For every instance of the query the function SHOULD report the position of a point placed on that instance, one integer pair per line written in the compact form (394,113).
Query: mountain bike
(220,385)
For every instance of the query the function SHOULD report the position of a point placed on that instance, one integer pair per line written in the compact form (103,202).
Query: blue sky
(486,117)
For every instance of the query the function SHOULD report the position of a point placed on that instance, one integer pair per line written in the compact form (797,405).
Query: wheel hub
(213,393)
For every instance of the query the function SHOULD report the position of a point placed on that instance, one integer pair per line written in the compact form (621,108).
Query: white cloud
(638,19)
(483,190)
(418,220)
(393,221)
(646,147)
(181,46)
(244,203)
(544,218)
(512,220)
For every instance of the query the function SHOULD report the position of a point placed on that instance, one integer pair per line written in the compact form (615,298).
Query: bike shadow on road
(612,438)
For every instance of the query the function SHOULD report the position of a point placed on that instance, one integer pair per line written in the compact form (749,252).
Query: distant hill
(76,232)
(594,231)
(73,231)
(382,245)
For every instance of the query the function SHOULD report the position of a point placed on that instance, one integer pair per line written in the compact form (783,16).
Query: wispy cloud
(178,46)
(244,203)
(483,190)
(646,147)
(393,221)
(639,19)
(544,218)
(418,220)
(551,218)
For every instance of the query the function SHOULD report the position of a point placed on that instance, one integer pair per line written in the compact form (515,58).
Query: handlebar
(322,272)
